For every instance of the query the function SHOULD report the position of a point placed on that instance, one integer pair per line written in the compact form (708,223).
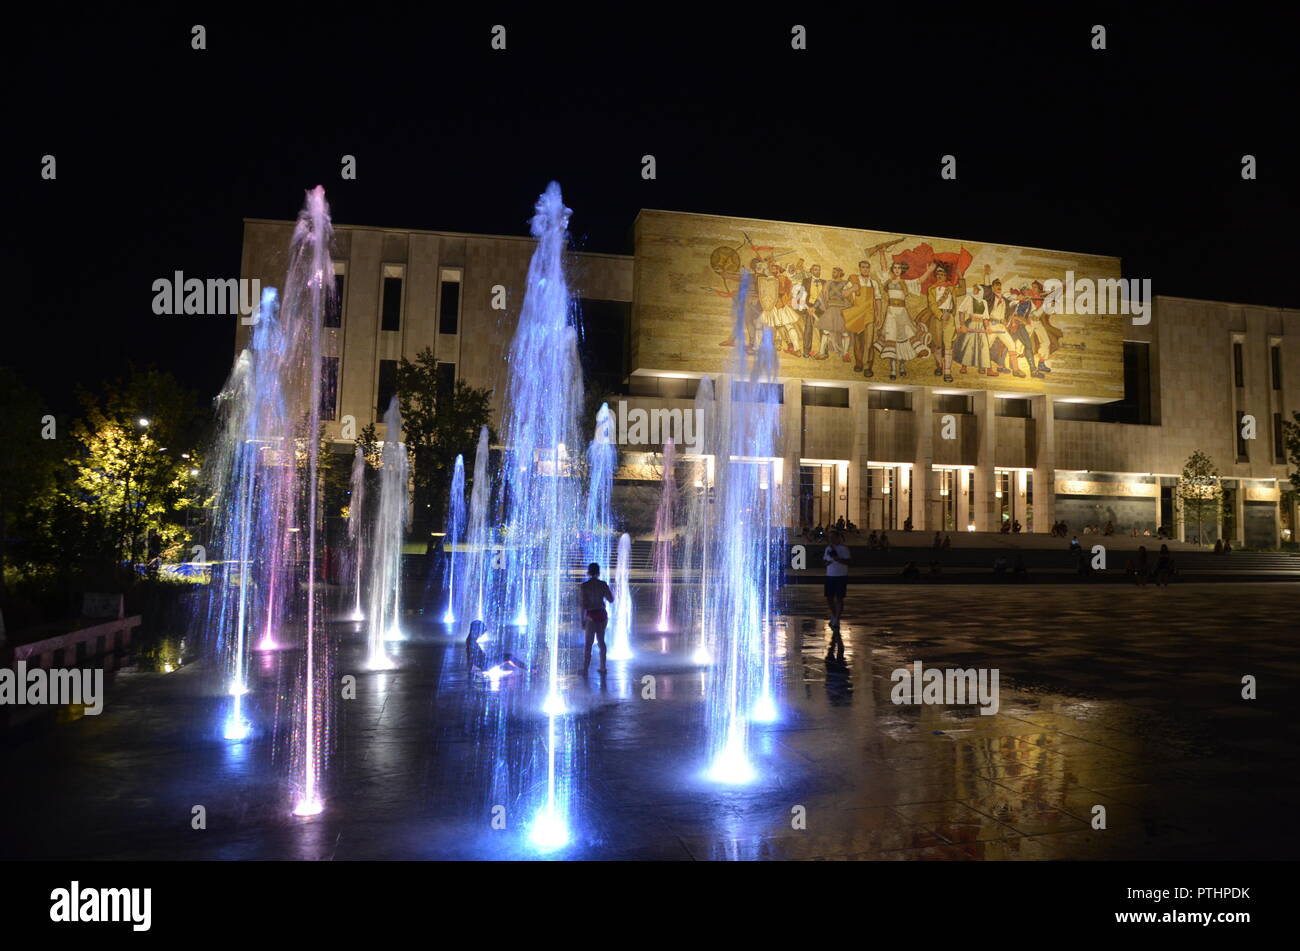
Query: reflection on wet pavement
(1128,700)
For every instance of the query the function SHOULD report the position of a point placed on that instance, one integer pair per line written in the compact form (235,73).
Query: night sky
(162,150)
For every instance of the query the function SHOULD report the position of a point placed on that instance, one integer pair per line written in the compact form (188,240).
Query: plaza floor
(1125,698)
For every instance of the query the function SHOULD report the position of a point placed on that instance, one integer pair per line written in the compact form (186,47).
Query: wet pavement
(1126,698)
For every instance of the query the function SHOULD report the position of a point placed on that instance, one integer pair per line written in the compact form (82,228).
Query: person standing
(595,619)
(836,558)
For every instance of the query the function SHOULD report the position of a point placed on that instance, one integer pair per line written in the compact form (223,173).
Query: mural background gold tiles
(688,273)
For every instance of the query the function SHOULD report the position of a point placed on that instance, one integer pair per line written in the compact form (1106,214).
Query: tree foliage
(439,423)
(1200,492)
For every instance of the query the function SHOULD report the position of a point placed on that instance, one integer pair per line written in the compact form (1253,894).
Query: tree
(1199,491)
(27,460)
(1291,442)
(440,422)
(135,470)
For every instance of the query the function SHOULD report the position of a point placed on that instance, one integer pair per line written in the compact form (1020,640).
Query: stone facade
(876,451)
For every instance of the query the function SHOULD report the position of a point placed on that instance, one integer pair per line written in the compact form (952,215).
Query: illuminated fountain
(665,528)
(308,287)
(356,529)
(478,562)
(389,529)
(544,514)
(602,457)
(621,646)
(454,537)
(697,538)
(747,536)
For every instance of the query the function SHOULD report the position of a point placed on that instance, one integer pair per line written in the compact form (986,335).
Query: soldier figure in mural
(900,338)
(941,318)
(1034,310)
(862,316)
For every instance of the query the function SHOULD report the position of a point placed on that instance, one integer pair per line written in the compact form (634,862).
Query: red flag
(919,258)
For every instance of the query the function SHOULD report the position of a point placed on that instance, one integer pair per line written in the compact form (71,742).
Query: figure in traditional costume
(971,347)
(901,338)
(774,295)
(834,299)
(753,310)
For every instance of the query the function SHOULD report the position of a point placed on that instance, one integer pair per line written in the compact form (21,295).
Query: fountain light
(549,831)
(308,807)
(554,705)
(764,710)
(732,766)
(237,728)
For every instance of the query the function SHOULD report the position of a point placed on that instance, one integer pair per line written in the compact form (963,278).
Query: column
(859,450)
(962,507)
(922,459)
(1045,465)
(984,505)
(1239,514)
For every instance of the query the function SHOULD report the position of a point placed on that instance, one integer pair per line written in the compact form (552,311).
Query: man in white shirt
(836,558)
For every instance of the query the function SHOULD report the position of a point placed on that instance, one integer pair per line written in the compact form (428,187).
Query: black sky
(162,150)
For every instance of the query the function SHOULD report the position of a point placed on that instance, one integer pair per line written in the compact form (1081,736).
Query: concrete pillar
(1277,517)
(1239,515)
(922,460)
(859,449)
(1045,464)
(984,505)
(791,448)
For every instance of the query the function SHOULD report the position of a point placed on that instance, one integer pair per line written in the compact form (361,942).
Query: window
(1275,363)
(1238,364)
(1018,408)
(603,347)
(387,385)
(1242,454)
(667,386)
(446,380)
(449,302)
(889,399)
(392,309)
(329,387)
(1279,446)
(334,307)
(959,403)
(826,396)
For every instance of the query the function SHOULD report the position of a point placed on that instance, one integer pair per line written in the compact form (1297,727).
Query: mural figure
(862,317)
(900,338)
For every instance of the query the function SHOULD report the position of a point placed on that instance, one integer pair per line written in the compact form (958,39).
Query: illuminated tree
(1199,492)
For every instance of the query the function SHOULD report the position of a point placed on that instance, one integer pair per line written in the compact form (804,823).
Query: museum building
(942,384)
